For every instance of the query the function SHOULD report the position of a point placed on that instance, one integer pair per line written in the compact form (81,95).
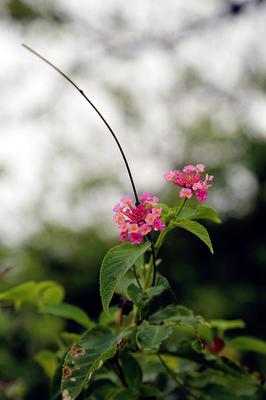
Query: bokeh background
(180,82)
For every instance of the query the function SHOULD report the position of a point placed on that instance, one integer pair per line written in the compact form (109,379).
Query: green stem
(153,264)
(137,278)
(183,202)
(158,244)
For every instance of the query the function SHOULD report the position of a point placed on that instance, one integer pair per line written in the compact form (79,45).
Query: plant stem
(119,371)
(155,247)
(183,202)
(162,235)
(97,111)
(136,276)
(153,264)
(174,377)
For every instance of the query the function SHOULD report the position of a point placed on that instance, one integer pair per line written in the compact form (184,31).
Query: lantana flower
(192,181)
(137,221)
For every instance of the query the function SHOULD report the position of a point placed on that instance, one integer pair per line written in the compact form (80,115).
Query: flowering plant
(146,345)
(137,221)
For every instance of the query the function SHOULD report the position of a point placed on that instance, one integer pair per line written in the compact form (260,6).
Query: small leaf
(48,361)
(200,212)
(99,389)
(134,293)
(19,293)
(70,337)
(150,337)
(111,318)
(224,325)
(68,311)
(48,292)
(197,229)
(248,343)
(150,300)
(122,286)
(122,394)
(131,370)
(206,212)
(116,263)
(149,391)
(176,315)
(95,347)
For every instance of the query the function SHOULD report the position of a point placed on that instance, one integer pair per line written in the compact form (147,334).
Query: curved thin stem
(163,233)
(151,265)
(182,204)
(154,264)
(137,278)
(95,109)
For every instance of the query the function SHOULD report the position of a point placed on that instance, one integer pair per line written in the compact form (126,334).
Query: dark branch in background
(5,270)
(168,40)
(97,111)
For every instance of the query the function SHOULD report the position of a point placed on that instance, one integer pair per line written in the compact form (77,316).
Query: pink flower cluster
(137,221)
(191,180)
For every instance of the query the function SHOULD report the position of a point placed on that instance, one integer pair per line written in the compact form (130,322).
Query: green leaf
(197,229)
(224,325)
(131,370)
(206,212)
(95,347)
(68,311)
(48,361)
(149,337)
(20,293)
(200,212)
(70,337)
(176,314)
(116,263)
(49,292)
(99,389)
(41,293)
(222,379)
(248,343)
(150,391)
(151,299)
(111,318)
(122,286)
(122,394)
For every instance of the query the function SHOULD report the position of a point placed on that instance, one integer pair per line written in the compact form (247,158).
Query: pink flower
(197,186)
(158,225)
(200,167)
(201,195)
(133,228)
(186,193)
(135,238)
(189,168)
(123,236)
(149,199)
(123,228)
(168,176)
(136,221)
(118,218)
(191,181)
(157,212)
(150,219)
(144,229)
(126,201)
(146,196)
